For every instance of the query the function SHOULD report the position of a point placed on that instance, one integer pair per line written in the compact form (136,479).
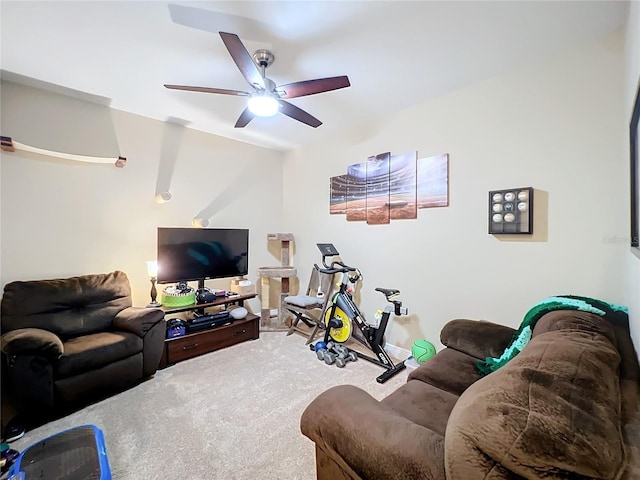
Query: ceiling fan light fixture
(263,105)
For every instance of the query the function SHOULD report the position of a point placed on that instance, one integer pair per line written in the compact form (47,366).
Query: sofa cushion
(551,412)
(574,320)
(68,307)
(478,338)
(89,352)
(449,370)
(422,404)
(304,301)
(96,384)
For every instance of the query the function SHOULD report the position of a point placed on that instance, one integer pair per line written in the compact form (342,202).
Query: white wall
(61,218)
(555,125)
(632,82)
(558,125)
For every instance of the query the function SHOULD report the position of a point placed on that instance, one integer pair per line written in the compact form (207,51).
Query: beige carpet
(231,414)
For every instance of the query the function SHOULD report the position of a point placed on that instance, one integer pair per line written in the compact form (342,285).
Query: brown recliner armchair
(68,342)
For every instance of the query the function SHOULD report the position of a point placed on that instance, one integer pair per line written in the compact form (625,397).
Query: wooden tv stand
(197,343)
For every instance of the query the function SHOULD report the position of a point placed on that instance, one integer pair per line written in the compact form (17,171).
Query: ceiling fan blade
(243,60)
(296,113)
(208,90)
(245,117)
(311,87)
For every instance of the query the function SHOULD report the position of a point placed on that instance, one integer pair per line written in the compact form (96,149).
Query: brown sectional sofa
(566,407)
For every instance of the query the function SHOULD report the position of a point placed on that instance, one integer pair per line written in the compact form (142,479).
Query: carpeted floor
(231,414)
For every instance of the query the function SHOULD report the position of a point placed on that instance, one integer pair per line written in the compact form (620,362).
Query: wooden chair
(310,308)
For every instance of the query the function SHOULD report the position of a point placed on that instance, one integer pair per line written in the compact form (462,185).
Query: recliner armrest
(371,438)
(138,320)
(32,341)
(478,338)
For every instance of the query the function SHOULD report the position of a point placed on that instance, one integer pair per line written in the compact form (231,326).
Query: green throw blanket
(561,302)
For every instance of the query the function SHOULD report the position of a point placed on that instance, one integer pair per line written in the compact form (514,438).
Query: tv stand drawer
(194,344)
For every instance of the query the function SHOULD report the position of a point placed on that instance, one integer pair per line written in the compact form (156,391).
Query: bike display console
(220,332)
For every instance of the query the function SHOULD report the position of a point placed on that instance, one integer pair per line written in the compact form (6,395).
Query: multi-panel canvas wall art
(390,187)
(378,189)
(433,181)
(338,198)
(357,192)
(402,186)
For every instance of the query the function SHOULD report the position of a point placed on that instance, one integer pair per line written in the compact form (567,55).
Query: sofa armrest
(478,338)
(138,320)
(372,439)
(32,341)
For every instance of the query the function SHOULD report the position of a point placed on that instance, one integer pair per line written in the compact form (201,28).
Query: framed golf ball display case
(511,211)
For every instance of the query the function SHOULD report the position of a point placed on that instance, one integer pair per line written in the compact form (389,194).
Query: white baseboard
(397,352)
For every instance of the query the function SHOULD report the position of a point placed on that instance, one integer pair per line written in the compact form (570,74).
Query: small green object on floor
(422,350)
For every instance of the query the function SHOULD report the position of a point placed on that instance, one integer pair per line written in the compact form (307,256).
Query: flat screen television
(189,254)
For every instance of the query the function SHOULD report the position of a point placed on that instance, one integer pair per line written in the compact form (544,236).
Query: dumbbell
(320,348)
(329,357)
(342,361)
(343,352)
(330,354)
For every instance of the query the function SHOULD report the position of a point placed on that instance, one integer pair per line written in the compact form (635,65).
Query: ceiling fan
(267,98)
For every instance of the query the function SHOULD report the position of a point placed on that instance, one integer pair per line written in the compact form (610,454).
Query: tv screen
(186,254)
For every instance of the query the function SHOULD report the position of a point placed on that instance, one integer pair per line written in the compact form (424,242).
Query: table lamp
(152,270)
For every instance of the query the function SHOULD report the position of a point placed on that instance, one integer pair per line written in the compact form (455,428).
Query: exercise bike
(343,314)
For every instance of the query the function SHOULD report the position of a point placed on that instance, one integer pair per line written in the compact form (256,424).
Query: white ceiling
(395,53)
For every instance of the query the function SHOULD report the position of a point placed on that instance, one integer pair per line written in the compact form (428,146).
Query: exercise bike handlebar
(388,293)
(332,269)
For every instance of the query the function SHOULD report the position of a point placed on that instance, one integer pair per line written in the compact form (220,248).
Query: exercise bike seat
(388,292)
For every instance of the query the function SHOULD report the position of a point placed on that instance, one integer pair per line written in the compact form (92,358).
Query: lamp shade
(152,268)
